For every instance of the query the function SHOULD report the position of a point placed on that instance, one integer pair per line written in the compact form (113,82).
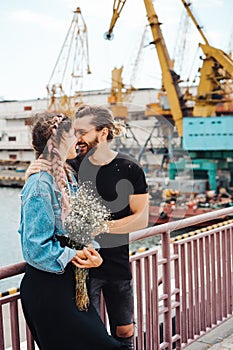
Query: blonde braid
(58,170)
(46,138)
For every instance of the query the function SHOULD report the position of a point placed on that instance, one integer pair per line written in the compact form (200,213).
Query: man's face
(86,134)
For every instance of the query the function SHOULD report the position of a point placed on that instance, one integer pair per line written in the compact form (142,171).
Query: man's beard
(87,148)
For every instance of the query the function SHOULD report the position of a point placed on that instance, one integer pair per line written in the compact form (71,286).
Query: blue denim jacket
(39,223)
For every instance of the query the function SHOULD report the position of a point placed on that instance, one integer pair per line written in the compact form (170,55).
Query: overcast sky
(32,33)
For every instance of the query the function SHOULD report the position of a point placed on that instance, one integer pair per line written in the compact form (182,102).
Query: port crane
(201,135)
(216,76)
(116,97)
(121,93)
(207,133)
(169,77)
(66,82)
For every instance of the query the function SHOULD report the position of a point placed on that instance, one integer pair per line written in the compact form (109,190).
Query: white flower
(87,217)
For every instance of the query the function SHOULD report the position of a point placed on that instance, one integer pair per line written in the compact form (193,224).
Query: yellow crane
(215,77)
(169,77)
(215,74)
(116,97)
(66,82)
(120,92)
(117,8)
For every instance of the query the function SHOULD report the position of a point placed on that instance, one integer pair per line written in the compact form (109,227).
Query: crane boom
(220,56)
(169,77)
(187,7)
(117,8)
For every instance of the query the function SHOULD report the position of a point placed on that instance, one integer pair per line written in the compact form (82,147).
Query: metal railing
(181,290)
(203,275)
(10,313)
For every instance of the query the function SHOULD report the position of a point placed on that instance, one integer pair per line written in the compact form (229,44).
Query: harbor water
(10,251)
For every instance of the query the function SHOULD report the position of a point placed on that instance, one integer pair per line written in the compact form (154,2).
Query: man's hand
(38,165)
(87,258)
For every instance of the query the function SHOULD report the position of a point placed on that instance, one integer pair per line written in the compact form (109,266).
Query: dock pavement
(219,338)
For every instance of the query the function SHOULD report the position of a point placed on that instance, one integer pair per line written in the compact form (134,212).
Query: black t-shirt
(114,183)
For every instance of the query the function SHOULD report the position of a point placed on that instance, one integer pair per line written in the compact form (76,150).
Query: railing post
(2,347)
(167,288)
(177,297)
(14,324)
(30,340)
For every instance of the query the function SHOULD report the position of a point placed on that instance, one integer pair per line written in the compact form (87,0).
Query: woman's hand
(80,254)
(87,258)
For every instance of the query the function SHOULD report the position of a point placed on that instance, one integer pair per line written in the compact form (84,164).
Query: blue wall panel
(209,133)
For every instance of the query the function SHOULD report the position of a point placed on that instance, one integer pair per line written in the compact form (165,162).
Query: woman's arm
(40,247)
(37,228)
(36,166)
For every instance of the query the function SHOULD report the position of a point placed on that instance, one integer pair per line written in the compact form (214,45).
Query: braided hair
(47,134)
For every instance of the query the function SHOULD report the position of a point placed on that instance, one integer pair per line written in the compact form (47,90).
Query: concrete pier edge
(219,338)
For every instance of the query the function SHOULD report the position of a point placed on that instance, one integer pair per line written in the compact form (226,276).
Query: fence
(181,291)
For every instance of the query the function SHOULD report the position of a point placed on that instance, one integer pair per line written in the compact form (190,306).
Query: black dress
(48,302)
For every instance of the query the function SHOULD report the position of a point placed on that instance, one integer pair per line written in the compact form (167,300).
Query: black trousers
(48,302)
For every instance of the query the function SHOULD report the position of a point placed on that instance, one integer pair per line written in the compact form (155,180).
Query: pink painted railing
(203,274)
(181,291)
(9,309)
(192,283)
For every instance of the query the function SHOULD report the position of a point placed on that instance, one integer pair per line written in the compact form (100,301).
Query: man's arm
(139,205)
(36,166)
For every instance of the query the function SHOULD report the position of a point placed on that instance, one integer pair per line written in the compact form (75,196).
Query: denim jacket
(39,223)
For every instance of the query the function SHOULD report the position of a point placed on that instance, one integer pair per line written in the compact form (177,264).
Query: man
(120,183)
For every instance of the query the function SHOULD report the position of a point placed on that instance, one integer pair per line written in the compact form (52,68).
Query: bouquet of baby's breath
(87,217)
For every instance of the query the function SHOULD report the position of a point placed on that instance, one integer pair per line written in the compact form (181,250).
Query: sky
(33,32)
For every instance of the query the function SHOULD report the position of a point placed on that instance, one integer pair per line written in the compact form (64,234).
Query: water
(10,250)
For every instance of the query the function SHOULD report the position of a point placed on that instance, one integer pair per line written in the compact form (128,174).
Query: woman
(48,286)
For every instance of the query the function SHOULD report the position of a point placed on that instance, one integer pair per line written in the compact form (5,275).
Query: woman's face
(70,143)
